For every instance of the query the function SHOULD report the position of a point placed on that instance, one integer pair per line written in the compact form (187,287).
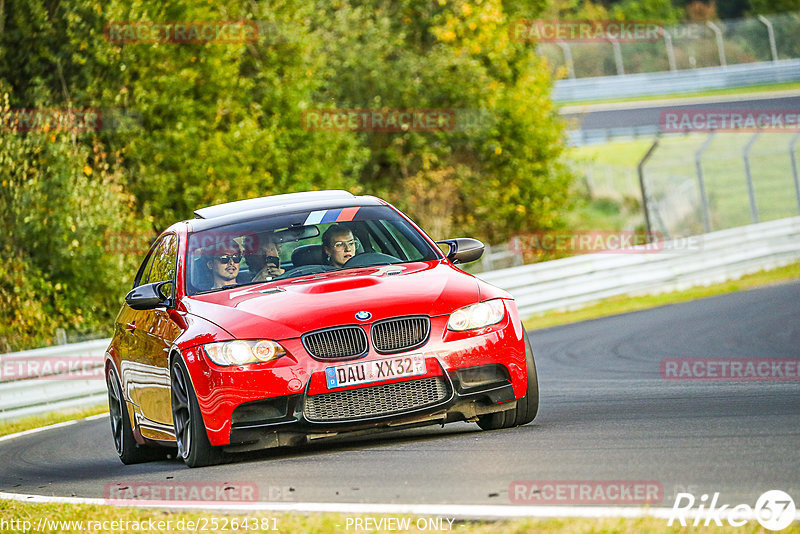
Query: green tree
(69,233)
(209,123)
(490,177)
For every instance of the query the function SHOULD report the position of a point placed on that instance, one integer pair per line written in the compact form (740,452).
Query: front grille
(339,343)
(375,401)
(397,335)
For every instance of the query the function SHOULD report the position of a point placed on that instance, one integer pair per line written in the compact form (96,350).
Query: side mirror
(148,296)
(463,249)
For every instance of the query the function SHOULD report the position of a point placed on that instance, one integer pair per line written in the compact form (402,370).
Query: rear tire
(526,408)
(194,448)
(128,450)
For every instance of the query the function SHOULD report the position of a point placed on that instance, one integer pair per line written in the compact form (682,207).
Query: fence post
(698,163)
(771,33)
(792,144)
(750,192)
(670,49)
(720,43)
(617,56)
(640,168)
(567,59)
(588,176)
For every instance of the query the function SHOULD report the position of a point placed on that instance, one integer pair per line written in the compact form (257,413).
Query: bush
(60,202)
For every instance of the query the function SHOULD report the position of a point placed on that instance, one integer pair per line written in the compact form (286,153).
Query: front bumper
(278,403)
(297,424)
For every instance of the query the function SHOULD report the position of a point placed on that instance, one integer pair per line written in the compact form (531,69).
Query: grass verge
(625,304)
(612,169)
(85,518)
(626,153)
(38,421)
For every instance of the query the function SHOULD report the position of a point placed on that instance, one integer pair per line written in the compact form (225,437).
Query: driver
(339,245)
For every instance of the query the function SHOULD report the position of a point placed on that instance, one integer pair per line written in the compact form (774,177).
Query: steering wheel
(304,270)
(368,259)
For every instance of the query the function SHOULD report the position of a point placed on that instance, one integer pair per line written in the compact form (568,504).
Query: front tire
(527,407)
(128,450)
(194,447)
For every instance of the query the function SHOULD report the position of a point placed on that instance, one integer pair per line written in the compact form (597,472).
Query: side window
(396,238)
(164,258)
(408,247)
(144,271)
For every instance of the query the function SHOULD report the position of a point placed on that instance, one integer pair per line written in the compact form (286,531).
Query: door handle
(130,326)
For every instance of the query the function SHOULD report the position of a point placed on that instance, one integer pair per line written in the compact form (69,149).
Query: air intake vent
(376,401)
(340,343)
(401,334)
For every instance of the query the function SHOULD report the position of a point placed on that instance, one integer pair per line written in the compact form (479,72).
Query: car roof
(256,208)
(250,204)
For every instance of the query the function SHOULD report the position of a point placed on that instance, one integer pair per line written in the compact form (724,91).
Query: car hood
(288,308)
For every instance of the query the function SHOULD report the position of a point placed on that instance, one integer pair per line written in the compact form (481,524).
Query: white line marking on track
(456,511)
(50,427)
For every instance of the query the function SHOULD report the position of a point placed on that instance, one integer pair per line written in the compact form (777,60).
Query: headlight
(243,351)
(477,315)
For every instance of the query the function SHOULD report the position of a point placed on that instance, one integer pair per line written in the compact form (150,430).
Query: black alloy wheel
(128,450)
(194,447)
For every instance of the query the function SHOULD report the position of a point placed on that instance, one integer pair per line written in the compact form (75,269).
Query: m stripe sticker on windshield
(331,216)
(347,214)
(314,217)
(328,216)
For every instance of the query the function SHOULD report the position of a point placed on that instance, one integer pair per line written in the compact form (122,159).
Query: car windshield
(301,244)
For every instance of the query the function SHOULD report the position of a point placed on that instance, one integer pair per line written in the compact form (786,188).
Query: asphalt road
(644,114)
(606,414)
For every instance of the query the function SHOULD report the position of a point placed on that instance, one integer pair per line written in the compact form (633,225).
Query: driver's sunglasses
(339,245)
(223,260)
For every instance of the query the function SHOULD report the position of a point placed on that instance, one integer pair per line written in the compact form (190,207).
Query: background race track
(606,414)
(641,114)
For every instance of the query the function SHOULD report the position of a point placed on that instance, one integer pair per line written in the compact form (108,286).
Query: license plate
(375,370)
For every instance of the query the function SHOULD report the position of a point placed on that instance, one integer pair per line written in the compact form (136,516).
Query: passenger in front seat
(339,245)
(224,263)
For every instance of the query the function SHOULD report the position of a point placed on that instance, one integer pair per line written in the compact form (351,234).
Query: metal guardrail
(593,136)
(37,381)
(559,284)
(576,281)
(675,82)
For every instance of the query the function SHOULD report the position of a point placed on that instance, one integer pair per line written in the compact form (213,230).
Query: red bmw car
(272,321)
